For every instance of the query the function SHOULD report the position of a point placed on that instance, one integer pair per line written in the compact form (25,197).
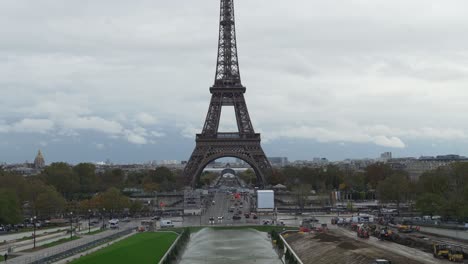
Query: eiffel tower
(228,91)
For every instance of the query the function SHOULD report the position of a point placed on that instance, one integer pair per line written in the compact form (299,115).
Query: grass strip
(141,248)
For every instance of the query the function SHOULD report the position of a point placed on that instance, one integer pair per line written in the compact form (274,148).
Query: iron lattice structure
(228,91)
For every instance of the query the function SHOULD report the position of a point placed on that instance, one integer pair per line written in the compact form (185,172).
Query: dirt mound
(349,246)
(325,237)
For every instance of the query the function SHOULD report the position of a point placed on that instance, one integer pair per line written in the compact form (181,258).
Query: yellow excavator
(440,250)
(455,254)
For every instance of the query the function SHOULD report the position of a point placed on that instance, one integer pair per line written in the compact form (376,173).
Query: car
(247,215)
(381,261)
(231,209)
(156,218)
(254,216)
(211,220)
(220,218)
(236,217)
(241,206)
(2,228)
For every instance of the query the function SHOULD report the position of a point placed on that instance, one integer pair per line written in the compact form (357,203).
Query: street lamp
(33,220)
(89,221)
(71,225)
(103,214)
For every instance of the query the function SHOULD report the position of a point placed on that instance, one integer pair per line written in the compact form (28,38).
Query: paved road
(33,256)
(458,234)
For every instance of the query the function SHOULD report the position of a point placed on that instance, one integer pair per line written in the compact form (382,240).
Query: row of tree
(62,188)
(78,182)
(443,191)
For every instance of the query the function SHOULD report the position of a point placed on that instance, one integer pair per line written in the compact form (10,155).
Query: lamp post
(103,216)
(71,225)
(89,221)
(33,220)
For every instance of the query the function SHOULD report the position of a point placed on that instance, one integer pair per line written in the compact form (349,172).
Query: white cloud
(158,134)
(189,130)
(100,146)
(113,67)
(93,123)
(28,125)
(135,138)
(392,142)
(146,119)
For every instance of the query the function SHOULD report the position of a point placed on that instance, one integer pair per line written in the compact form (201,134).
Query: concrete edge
(171,247)
(289,247)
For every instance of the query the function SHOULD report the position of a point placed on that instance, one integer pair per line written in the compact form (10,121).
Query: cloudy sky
(88,80)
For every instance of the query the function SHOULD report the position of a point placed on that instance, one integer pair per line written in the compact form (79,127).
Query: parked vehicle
(381,261)
(114,223)
(455,254)
(440,250)
(166,223)
(362,231)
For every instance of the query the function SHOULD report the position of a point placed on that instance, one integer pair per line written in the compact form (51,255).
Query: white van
(436,217)
(166,223)
(114,223)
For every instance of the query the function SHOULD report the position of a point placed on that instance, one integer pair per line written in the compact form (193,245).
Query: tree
(112,178)
(302,193)
(394,188)
(112,200)
(248,177)
(135,207)
(377,172)
(208,177)
(62,177)
(277,177)
(49,203)
(14,182)
(10,210)
(86,173)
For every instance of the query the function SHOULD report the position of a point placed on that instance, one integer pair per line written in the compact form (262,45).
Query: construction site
(373,243)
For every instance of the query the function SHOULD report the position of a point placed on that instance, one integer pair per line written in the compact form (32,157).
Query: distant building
(39,161)
(278,161)
(386,156)
(192,202)
(416,167)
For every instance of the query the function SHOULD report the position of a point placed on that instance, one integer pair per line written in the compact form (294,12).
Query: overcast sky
(87,80)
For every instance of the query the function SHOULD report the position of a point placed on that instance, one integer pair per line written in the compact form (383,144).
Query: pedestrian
(5,257)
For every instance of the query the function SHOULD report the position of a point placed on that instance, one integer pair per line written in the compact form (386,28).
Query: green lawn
(140,248)
(1,258)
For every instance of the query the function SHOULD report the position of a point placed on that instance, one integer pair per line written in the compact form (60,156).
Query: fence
(289,256)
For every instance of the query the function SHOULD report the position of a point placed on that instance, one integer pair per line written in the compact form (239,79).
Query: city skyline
(361,79)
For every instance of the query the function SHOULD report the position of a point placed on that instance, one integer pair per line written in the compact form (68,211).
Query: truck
(166,223)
